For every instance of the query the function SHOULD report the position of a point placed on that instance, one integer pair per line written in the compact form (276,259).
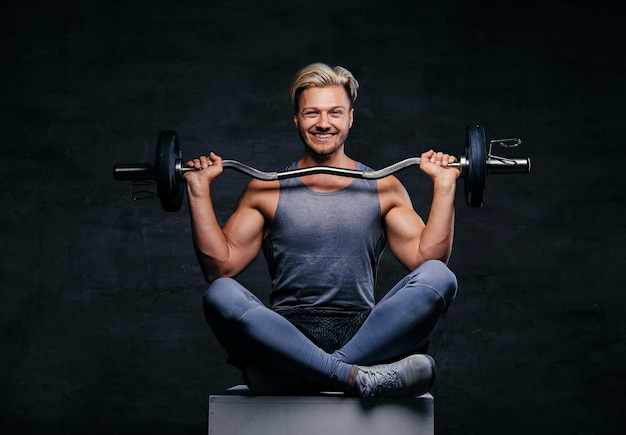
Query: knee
(438,275)
(227,300)
(215,301)
(214,291)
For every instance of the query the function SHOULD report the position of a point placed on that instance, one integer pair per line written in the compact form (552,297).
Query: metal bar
(495,165)
(330,170)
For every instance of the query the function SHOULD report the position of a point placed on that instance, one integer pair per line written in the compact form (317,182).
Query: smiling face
(324,119)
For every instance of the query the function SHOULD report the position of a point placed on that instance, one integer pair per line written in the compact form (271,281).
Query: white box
(239,412)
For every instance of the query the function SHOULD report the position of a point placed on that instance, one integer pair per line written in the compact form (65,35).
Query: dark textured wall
(101,321)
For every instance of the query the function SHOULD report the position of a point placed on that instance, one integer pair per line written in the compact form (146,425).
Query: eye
(309,113)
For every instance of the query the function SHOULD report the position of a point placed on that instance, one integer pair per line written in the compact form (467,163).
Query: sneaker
(409,377)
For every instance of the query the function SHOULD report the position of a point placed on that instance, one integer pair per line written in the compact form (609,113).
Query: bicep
(403,226)
(244,233)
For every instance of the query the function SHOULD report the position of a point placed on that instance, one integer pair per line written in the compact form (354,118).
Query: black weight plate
(476,154)
(170,191)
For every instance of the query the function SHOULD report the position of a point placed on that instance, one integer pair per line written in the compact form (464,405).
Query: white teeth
(323,136)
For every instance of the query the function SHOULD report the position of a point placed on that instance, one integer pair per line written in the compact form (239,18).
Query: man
(323,236)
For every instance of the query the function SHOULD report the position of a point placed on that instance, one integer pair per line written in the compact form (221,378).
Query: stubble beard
(321,153)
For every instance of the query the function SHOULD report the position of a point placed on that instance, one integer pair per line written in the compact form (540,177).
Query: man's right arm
(221,252)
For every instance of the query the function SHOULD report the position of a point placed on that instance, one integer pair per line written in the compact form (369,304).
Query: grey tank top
(323,249)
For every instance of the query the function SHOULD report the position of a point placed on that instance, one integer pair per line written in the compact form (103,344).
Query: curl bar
(167,170)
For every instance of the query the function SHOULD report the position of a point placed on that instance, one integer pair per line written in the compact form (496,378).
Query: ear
(295,120)
(351,117)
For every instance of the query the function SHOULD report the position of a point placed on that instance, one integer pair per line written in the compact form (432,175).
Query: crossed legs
(398,325)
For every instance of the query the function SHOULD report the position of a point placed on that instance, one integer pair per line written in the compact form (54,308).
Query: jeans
(399,324)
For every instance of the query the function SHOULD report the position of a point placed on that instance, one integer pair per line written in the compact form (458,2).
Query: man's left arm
(410,239)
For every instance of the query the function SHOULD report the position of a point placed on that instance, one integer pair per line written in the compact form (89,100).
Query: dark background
(101,322)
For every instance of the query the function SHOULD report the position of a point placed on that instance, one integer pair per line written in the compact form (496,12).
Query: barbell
(167,170)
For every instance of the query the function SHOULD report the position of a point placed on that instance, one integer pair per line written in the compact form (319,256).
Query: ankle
(351,379)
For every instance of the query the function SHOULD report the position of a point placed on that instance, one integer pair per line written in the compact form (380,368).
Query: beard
(323,151)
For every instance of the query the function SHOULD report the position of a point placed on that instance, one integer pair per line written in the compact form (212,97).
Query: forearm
(437,236)
(210,243)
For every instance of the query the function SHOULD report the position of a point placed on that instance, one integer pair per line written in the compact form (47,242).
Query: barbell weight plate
(169,189)
(476,155)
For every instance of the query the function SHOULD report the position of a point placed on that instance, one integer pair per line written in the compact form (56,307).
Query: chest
(325,217)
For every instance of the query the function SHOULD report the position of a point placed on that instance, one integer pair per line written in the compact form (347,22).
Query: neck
(325,182)
(338,159)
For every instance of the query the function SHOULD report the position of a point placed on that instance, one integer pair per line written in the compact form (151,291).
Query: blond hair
(321,75)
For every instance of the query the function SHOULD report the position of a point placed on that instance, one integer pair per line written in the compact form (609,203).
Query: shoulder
(262,196)
(392,193)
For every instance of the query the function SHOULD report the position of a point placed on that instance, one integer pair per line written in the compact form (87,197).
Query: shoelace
(375,383)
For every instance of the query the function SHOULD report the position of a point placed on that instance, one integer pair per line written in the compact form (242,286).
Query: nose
(323,122)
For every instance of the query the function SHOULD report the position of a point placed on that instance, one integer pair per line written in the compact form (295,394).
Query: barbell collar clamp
(507,165)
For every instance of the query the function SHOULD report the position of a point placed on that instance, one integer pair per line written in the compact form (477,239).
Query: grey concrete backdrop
(101,321)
